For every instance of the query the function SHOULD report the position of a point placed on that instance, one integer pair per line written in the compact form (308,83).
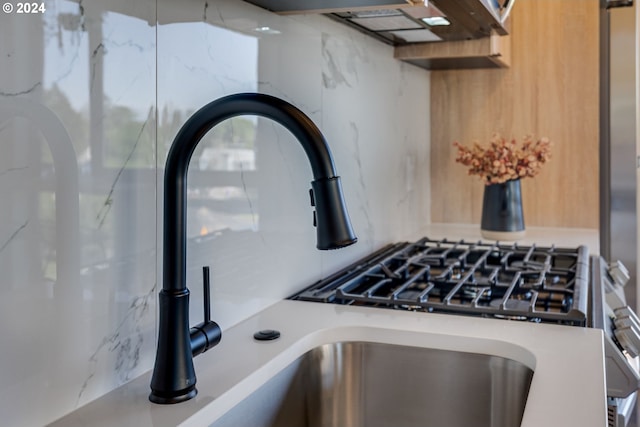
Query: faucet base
(174,378)
(163,400)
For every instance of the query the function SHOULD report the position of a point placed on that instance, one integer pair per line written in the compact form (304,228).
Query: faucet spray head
(330,217)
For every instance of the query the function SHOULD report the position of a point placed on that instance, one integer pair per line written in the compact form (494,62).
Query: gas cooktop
(530,283)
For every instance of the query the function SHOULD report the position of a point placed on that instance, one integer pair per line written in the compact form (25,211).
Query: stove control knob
(619,273)
(626,311)
(628,340)
(627,322)
(627,330)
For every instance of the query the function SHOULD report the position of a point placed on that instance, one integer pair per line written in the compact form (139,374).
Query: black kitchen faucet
(174,378)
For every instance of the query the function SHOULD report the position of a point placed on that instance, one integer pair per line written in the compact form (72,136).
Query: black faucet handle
(206,334)
(206,292)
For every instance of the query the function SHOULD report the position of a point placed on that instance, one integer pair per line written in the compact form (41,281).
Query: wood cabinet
(551,89)
(486,52)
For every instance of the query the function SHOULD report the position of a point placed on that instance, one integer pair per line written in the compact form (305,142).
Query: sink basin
(358,384)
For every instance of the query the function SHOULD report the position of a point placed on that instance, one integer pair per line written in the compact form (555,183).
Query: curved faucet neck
(294,120)
(175,178)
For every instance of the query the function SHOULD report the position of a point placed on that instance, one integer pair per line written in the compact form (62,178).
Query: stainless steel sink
(360,384)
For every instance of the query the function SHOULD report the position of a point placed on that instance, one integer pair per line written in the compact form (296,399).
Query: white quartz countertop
(568,386)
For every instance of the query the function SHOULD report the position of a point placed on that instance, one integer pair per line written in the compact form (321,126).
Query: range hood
(405,22)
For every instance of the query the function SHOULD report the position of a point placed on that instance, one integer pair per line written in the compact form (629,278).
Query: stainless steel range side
(564,286)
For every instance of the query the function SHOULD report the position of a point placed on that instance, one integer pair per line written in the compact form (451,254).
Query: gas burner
(470,278)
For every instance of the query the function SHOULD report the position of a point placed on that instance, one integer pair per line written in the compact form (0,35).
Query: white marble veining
(92,94)
(77,222)
(352,89)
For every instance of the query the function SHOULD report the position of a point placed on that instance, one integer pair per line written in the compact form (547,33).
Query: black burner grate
(542,284)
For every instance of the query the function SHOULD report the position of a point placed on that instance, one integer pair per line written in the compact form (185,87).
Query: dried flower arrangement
(505,160)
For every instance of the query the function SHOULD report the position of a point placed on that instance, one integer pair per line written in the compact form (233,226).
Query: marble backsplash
(92,94)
